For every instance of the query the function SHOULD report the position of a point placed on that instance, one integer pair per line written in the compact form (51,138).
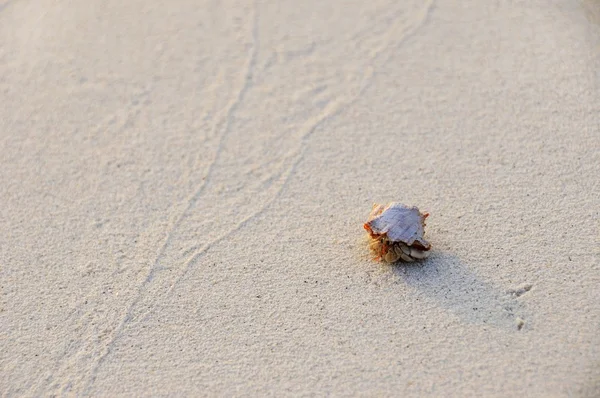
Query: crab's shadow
(455,287)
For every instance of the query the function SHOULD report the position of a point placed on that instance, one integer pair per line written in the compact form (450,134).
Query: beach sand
(183,187)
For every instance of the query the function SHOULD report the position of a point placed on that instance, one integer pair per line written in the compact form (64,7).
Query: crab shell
(396,232)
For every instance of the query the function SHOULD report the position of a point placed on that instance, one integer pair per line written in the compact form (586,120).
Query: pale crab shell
(397,232)
(399,223)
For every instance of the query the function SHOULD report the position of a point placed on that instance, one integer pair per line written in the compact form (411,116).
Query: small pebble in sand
(396,233)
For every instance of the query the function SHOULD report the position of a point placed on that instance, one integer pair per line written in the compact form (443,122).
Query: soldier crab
(396,233)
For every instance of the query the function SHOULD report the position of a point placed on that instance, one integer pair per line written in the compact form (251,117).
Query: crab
(396,233)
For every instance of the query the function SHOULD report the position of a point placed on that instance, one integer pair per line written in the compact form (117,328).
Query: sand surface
(183,186)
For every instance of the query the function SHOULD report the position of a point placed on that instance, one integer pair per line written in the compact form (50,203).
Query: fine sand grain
(183,186)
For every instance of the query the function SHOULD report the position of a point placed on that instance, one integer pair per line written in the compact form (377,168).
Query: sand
(183,187)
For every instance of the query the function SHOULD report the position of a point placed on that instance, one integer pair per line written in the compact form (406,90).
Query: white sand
(183,189)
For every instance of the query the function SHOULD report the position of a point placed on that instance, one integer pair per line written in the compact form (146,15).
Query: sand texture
(183,186)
